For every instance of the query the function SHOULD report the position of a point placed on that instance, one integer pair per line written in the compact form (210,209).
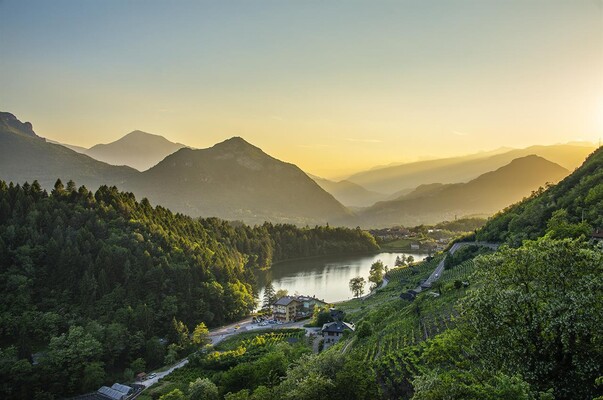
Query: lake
(327,278)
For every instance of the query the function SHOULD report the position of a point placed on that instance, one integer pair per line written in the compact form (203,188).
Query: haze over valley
(235,180)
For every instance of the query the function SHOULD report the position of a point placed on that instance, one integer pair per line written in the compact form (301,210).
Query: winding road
(437,272)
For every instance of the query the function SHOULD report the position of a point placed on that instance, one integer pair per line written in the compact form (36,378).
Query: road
(152,381)
(219,334)
(437,272)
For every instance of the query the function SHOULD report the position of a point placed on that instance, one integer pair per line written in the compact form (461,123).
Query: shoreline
(363,253)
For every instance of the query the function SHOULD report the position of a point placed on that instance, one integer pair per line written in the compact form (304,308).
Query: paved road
(152,381)
(437,272)
(219,334)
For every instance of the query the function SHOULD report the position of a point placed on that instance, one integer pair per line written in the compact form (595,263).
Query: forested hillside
(91,281)
(574,204)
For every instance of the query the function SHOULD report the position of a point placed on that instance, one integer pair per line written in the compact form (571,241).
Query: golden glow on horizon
(333,91)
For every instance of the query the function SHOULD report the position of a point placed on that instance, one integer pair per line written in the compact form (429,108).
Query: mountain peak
(9,122)
(141,135)
(531,160)
(235,143)
(235,140)
(138,149)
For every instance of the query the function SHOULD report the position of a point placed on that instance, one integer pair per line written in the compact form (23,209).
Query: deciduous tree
(357,286)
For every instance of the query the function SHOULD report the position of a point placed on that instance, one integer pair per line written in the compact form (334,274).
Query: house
(111,393)
(292,308)
(141,377)
(286,308)
(308,302)
(307,306)
(332,332)
(122,388)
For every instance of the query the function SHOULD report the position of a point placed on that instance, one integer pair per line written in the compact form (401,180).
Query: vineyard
(258,339)
(397,324)
(403,330)
(272,338)
(459,272)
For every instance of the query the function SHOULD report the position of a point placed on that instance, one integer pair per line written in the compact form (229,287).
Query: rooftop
(121,388)
(111,393)
(285,301)
(337,327)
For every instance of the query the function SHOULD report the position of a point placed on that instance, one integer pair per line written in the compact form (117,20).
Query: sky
(332,86)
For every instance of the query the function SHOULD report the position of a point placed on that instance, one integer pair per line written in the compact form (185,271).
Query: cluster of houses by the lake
(295,308)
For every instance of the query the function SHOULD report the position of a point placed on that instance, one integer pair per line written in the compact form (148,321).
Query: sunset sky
(332,86)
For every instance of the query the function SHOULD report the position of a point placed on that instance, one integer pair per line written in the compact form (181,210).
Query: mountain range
(232,180)
(137,149)
(238,181)
(348,193)
(24,156)
(484,195)
(463,169)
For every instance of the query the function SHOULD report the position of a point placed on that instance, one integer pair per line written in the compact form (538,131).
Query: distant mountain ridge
(463,169)
(484,195)
(231,180)
(10,123)
(25,156)
(236,180)
(348,193)
(137,149)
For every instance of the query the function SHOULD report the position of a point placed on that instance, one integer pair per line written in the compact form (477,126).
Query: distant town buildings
(387,234)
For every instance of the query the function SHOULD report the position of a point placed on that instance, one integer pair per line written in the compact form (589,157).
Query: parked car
(151,376)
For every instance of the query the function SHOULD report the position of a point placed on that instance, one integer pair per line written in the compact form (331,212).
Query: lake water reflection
(326,278)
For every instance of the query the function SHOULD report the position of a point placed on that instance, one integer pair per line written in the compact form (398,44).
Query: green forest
(97,286)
